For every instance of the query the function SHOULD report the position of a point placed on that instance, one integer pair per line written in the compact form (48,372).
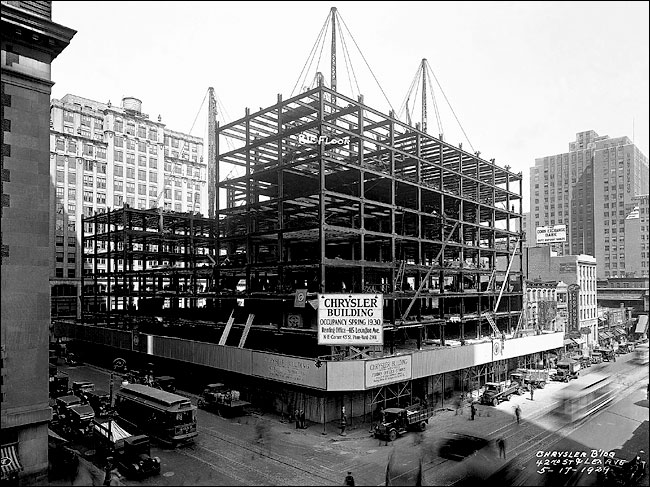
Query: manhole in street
(168,474)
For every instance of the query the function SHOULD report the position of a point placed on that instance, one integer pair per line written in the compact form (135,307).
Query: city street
(260,449)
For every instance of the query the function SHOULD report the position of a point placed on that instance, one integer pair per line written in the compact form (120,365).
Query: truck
(131,454)
(496,392)
(397,421)
(218,396)
(72,418)
(566,370)
(535,377)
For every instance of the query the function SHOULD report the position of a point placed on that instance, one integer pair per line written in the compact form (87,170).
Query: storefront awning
(619,332)
(604,335)
(570,342)
(9,460)
(642,324)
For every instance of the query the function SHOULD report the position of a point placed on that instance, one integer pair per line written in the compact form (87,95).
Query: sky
(513,80)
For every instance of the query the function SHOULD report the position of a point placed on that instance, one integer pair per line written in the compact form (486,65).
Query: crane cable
(364,59)
(311,55)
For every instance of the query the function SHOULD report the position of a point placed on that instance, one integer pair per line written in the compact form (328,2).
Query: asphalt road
(260,449)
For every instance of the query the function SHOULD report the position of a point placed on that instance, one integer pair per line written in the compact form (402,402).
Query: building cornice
(33,31)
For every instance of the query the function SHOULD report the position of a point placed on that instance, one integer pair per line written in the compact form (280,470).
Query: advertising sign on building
(351,319)
(551,234)
(573,324)
(388,370)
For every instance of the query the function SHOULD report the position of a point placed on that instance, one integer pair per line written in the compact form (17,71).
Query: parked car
(459,446)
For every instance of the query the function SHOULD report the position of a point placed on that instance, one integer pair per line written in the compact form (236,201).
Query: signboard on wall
(351,319)
(292,370)
(551,234)
(568,268)
(388,370)
(573,308)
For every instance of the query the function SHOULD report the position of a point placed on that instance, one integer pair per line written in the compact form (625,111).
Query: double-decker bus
(165,416)
(585,398)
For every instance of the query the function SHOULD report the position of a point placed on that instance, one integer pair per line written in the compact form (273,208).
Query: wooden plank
(247,328)
(226,330)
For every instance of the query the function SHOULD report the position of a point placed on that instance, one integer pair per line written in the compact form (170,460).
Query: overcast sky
(522,78)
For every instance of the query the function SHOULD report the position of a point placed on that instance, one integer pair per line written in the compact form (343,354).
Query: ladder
(492,279)
(492,323)
(400,275)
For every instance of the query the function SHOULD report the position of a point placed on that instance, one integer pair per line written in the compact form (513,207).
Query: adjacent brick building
(30,42)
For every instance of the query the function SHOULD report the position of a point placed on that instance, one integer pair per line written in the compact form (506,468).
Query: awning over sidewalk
(605,335)
(619,332)
(570,342)
(642,324)
(9,460)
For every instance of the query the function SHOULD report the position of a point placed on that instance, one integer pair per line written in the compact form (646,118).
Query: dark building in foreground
(337,199)
(30,41)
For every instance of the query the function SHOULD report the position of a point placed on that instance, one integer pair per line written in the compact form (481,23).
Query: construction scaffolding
(330,196)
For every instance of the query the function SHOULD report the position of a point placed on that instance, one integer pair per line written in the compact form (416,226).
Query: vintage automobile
(134,460)
(218,396)
(459,446)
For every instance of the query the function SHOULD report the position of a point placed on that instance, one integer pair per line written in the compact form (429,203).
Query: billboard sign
(572,308)
(388,370)
(351,319)
(551,234)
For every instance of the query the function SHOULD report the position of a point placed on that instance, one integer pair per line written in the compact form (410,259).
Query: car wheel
(495,402)
(542,385)
(422,426)
(508,397)
(392,436)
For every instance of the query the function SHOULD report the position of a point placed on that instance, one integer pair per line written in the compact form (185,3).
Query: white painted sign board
(351,319)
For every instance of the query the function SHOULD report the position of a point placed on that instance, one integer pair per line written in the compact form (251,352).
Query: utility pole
(212,153)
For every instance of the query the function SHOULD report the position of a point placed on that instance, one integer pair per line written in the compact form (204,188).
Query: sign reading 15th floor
(350,319)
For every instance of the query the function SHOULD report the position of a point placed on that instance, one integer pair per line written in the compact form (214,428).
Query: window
(142,131)
(130,128)
(153,134)
(101,152)
(118,170)
(118,200)
(72,178)
(101,168)
(60,143)
(101,182)
(88,180)
(88,165)
(153,163)
(153,177)
(119,141)
(72,208)
(119,125)
(142,175)
(72,194)
(142,146)
(130,188)
(119,156)
(88,150)
(130,144)
(101,198)
(174,142)
(130,172)
(59,257)
(88,197)
(142,189)
(142,160)
(118,185)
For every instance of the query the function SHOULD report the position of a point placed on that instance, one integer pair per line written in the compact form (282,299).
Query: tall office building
(103,157)
(30,42)
(591,189)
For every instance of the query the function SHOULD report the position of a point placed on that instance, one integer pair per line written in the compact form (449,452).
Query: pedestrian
(473,410)
(349,479)
(107,471)
(502,447)
(302,419)
(297,417)
(518,413)
(532,390)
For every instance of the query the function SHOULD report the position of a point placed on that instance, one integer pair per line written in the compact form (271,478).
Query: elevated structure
(335,197)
